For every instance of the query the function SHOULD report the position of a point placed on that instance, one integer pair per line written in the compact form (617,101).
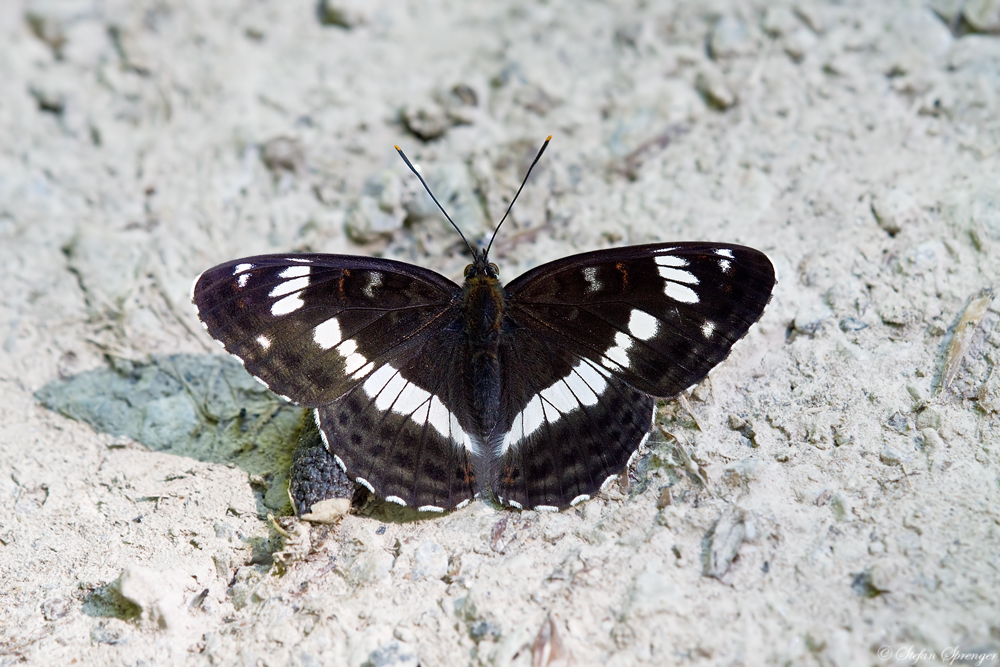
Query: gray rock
(430,561)
(809,319)
(894,210)
(378,211)
(392,654)
(155,594)
(982,15)
(282,154)
(711,83)
(344,13)
(730,37)
(779,20)
(107,264)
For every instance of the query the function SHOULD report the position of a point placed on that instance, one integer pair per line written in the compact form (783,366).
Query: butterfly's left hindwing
(313,326)
(405,432)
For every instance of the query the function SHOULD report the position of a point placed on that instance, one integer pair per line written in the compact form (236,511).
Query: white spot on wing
(354,363)
(240,268)
(584,384)
(289,286)
(514,435)
(264,341)
(365,483)
(585,392)
(560,396)
(262,383)
(339,461)
(579,499)
(439,417)
(410,399)
(608,482)
(680,293)
(724,252)
(220,343)
(618,355)
(708,328)
(295,272)
(593,284)
(462,504)
(391,391)
(670,260)
(327,334)
(724,265)
(374,385)
(363,371)
(546,508)
(430,508)
(374,282)
(287,305)
(678,275)
(385,397)
(632,458)
(298,259)
(353,360)
(534,415)
(642,325)
(194,285)
(395,499)
(515,504)
(243,280)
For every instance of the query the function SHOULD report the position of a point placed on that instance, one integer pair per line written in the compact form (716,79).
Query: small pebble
(430,561)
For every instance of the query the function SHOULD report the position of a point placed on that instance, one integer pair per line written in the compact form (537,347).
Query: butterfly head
(482,267)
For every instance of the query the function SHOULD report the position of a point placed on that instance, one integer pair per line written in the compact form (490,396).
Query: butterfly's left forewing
(313,326)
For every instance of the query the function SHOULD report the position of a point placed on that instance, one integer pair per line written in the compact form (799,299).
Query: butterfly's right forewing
(659,317)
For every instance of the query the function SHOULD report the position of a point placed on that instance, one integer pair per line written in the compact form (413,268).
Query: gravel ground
(830,496)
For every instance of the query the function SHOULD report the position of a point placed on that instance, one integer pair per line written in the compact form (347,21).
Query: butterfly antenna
(427,187)
(533,163)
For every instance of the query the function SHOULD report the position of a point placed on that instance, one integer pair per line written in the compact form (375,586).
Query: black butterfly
(534,394)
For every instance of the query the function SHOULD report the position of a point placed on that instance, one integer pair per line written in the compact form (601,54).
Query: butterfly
(533,394)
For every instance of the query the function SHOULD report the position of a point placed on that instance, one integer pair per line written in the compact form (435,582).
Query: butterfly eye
(469,271)
(493,271)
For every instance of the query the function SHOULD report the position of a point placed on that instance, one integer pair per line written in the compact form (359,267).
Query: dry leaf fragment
(962,339)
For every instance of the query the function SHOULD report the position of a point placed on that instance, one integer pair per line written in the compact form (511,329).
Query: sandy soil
(832,494)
